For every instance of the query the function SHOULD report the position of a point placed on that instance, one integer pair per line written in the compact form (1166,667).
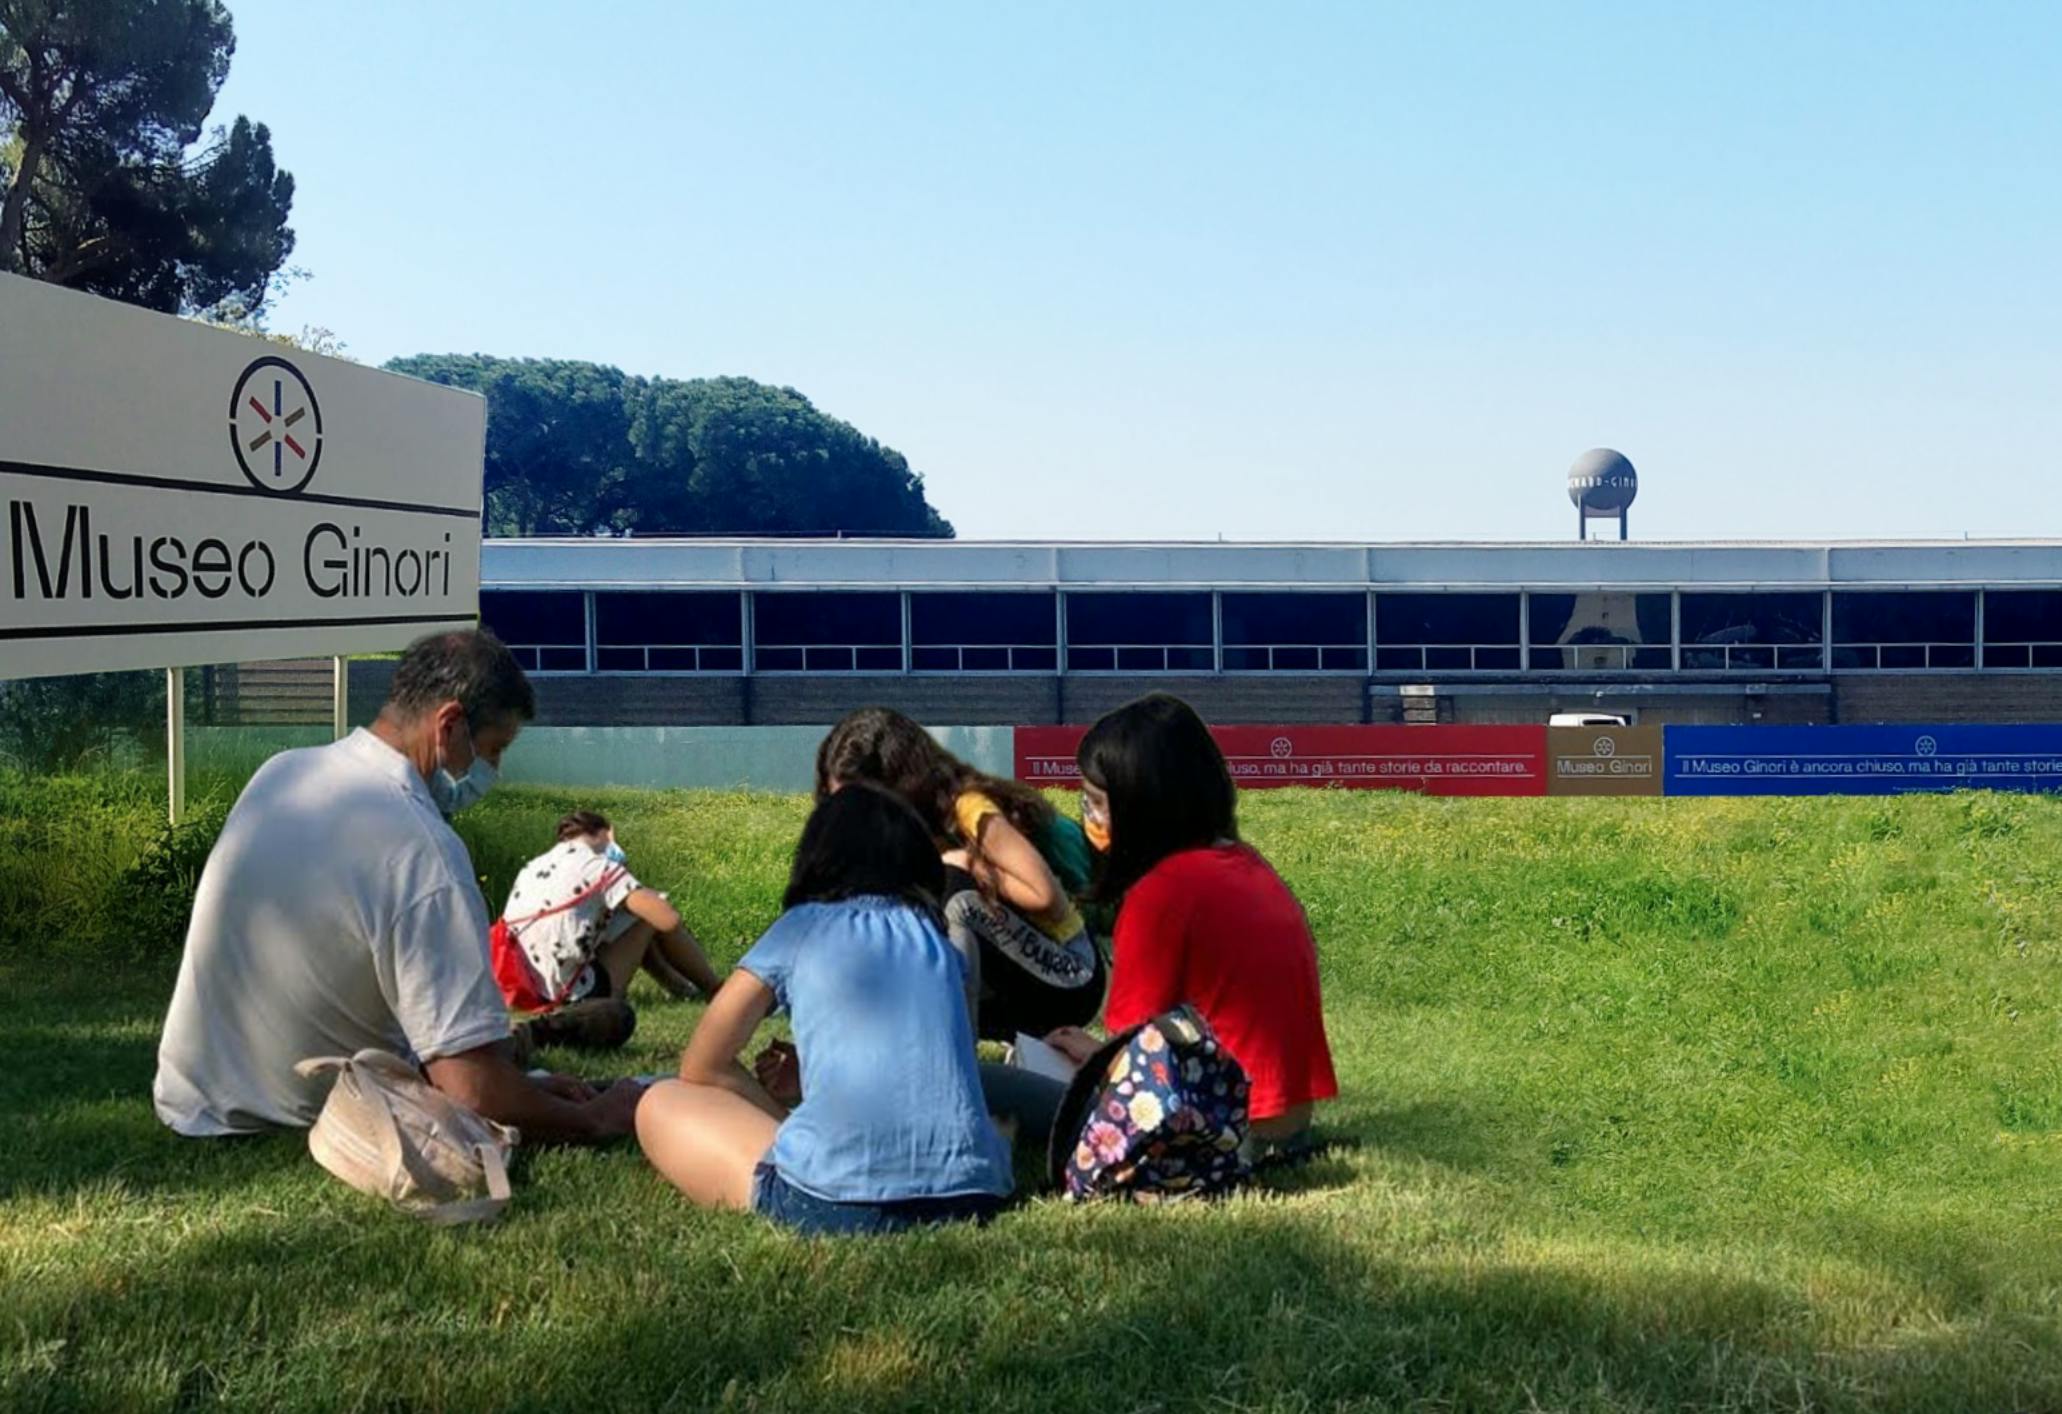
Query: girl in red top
(1201,918)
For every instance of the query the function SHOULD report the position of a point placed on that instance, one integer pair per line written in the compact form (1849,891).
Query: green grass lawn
(1648,1105)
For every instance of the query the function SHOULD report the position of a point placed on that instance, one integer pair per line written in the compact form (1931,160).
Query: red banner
(1470,760)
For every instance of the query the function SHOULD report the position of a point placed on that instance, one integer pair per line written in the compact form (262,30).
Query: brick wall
(1973,697)
(971,701)
(1648,710)
(299,692)
(777,700)
(640,701)
(1229,701)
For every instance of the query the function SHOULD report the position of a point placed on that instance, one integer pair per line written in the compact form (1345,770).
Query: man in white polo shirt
(338,910)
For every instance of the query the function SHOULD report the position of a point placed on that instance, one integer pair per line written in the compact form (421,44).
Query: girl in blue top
(891,1130)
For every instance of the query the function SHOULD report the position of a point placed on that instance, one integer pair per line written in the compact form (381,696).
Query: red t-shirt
(1218,929)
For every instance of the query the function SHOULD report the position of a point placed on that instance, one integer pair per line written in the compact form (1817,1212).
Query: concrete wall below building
(772,758)
(656,758)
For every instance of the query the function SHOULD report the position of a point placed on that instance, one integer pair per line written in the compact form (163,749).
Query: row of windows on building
(1191,631)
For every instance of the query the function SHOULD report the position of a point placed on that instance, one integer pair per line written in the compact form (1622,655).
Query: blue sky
(1349,271)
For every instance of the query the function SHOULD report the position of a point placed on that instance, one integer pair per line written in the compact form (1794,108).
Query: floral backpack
(1157,1115)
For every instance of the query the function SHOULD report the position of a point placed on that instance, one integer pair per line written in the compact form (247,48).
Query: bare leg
(621,955)
(704,1141)
(661,971)
(684,956)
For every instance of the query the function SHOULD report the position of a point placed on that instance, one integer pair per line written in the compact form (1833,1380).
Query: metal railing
(984,658)
(1295,657)
(1447,657)
(2021,654)
(1753,657)
(671,658)
(1140,658)
(827,658)
(1046,658)
(550,657)
(1903,657)
(1601,657)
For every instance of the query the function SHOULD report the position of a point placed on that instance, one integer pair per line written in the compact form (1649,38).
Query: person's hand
(566,1087)
(614,1110)
(779,1070)
(1073,1043)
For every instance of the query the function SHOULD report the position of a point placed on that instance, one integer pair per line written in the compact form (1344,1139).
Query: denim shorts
(773,1197)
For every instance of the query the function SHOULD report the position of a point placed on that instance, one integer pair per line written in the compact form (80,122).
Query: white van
(1588,719)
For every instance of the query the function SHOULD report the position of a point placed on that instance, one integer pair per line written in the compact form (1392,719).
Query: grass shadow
(1238,1306)
(1445,1133)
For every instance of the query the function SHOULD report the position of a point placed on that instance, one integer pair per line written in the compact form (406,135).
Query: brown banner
(1604,761)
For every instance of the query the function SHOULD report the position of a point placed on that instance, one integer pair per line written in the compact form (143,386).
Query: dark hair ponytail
(864,842)
(1168,786)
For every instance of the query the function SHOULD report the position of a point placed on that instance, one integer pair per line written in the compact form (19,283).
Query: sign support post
(340,700)
(175,742)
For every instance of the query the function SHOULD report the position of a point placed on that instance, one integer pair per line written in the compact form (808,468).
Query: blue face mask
(454,793)
(614,853)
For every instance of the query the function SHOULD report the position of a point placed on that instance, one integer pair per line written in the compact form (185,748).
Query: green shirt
(1066,849)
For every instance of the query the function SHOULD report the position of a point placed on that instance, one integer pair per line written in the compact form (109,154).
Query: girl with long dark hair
(1201,917)
(891,1130)
(1015,866)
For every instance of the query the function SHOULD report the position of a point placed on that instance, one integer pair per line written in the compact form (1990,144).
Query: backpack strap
(474,1209)
(608,879)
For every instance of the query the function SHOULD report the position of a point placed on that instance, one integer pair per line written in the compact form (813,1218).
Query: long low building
(729,632)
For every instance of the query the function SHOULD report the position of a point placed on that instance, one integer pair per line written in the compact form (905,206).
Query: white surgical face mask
(454,793)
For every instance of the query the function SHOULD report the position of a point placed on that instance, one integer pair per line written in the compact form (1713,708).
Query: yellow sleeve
(970,810)
(1062,930)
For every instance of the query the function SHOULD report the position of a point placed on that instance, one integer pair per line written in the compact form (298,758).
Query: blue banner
(1875,760)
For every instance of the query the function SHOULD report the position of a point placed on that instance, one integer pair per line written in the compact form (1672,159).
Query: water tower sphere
(1602,482)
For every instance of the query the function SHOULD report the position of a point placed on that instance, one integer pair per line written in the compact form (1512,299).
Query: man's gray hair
(470,667)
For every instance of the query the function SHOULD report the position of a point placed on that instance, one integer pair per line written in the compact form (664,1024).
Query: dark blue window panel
(633,620)
(989,620)
(1103,619)
(526,616)
(1404,620)
(1339,620)
(827,618)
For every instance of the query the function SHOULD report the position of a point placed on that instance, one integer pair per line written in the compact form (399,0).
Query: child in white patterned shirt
(579,925)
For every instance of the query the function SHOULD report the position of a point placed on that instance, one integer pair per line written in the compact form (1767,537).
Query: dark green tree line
(581,449)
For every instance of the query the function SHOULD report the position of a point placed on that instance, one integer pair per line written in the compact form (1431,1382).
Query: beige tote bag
(387,1131)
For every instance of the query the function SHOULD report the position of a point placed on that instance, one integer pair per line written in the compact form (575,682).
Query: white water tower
(1602,485)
